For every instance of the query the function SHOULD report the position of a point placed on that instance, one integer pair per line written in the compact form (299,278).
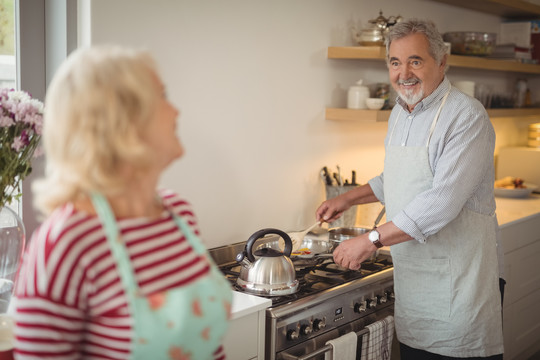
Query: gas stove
(330,302)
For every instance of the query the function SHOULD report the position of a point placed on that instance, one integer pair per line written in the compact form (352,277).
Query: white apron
(447,289)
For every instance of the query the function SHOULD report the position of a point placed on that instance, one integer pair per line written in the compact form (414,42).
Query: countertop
(514,210)
(244,304)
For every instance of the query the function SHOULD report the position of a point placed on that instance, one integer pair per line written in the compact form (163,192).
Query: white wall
(252,81)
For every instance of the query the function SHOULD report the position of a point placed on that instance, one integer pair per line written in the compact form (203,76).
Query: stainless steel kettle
(267,271)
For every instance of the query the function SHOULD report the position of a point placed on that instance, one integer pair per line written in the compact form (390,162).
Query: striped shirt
(460,156)
(70,302)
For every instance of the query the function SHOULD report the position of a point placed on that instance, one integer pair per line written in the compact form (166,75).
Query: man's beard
(409,96)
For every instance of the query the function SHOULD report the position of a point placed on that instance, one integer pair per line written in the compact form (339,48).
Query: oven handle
(321,350)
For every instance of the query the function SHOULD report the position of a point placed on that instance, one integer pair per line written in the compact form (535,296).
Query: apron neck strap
(433,123)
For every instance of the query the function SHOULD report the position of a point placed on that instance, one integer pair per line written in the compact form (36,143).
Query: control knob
(381,299)
(371,303)
(292,335)
(360,307)
(319,324)
(305,330)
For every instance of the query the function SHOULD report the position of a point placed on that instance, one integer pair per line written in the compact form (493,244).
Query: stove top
(315,278)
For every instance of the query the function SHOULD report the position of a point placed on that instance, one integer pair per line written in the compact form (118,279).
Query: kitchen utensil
(471,43)
(267,271)
(340,234)
(379,217)
(297,237)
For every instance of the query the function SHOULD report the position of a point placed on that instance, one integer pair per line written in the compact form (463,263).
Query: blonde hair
(96,108)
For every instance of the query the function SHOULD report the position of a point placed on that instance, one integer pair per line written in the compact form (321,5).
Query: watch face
(373,235)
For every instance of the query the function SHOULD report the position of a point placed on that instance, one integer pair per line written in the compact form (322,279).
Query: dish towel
(377,343)
(343,347)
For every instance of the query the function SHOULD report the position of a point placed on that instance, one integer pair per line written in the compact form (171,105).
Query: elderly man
(437,186)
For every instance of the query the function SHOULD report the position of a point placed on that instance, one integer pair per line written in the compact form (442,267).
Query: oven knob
(390,295)
(360,307)
(319,324)
(371,303)
(305,330)
(292,335)
(382,299)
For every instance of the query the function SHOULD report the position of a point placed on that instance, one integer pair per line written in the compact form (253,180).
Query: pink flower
(18,144)
(6,121)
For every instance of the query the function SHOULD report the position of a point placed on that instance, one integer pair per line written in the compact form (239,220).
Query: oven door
(316,348)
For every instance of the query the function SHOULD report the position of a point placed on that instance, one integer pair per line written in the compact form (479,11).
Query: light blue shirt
(460,156)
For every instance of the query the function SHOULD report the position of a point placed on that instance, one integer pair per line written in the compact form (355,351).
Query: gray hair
(437,48)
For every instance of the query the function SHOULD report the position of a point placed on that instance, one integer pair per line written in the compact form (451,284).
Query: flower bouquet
(21,122)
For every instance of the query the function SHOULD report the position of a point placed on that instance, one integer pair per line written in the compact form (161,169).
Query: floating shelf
(340,114)
(473,62)
(510,9)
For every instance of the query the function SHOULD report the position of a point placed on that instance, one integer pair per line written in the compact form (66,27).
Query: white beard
(411,98)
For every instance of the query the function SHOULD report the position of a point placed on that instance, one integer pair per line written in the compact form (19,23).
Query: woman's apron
(188,322)
(447,295)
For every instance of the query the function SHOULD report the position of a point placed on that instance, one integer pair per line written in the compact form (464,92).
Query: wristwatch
(374,237)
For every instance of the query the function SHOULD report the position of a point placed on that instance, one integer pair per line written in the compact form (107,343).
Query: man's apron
(187,322)
(447,294)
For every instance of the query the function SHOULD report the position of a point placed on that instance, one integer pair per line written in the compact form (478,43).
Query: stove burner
(315,278)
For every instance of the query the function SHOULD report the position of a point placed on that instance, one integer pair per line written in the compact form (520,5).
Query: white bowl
(375,103)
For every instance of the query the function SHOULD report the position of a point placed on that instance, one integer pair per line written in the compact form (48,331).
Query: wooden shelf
(510,9)
(472,62)
(357,115)
(339,114)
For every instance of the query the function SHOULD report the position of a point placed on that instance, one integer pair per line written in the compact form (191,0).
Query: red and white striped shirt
(70,302)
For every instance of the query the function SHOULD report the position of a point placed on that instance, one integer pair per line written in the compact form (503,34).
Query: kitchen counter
(245,338)
(515,210)
(244,304)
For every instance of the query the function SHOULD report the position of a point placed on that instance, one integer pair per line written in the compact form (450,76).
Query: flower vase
(12,240)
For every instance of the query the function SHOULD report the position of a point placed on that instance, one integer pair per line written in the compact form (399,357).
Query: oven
(330,302)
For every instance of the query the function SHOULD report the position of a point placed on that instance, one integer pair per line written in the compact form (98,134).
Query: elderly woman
(116,270)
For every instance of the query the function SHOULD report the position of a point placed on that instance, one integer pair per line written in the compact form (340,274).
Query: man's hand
(332,209)
(351,253)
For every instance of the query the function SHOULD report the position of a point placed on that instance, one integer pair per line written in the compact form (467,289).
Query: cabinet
(521,318)
(512,9)
(245,337)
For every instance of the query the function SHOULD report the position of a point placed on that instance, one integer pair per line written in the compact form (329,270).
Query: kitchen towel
(377,343)
(343,347)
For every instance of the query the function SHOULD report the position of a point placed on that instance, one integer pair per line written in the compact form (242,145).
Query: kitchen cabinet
(378,53)
(520,239)
(245,337)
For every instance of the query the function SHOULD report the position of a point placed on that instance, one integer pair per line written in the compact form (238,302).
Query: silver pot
(337,235)
(267,271)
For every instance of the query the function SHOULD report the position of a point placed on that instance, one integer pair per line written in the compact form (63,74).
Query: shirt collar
(431,99)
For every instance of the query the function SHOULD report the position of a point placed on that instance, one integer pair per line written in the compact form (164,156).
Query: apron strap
(106,215)
(436,118)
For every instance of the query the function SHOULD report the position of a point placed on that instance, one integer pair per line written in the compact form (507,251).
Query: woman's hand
(351,253)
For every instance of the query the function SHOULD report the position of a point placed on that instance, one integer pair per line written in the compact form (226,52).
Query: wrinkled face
(160,134)
(414,73)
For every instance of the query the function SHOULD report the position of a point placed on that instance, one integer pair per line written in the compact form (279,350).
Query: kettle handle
(259,234)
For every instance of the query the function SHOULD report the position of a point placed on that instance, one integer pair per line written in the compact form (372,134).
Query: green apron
(185,322)
(447,295)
